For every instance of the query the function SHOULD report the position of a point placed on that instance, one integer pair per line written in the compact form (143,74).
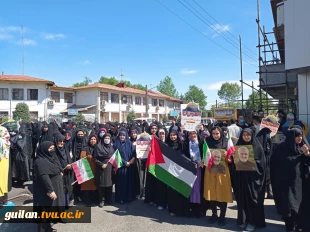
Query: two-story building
(288,79)
(100,102)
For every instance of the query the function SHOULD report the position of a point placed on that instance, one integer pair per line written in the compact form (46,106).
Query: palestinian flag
(230,149)
(207,156)
(170,167)
(116,160)
(82,170)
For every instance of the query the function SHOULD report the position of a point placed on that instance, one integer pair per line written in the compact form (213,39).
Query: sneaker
(160,208)
(71,203)
(213,219)
(101,204)
(250,227)
(221,222)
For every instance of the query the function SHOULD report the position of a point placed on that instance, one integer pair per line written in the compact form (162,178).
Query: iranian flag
(82,170)
(116,160)
(230,149)
(207,156)
(170,167)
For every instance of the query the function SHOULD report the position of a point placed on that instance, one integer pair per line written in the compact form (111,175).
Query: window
(4,114)
(104,96)
(4,94)
(114,98)
(68,97)
(55,96)
(144,101)
(138,100)
(161,103)
(126,99)
(177,105)
(34,115)
(17,94)
(154,102)
(32,94)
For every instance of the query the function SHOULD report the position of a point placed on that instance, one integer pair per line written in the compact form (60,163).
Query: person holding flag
(103,175)
(217,186)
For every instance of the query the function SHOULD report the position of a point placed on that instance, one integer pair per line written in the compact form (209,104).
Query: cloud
(27,42)
(10,29)
(8,33)
(188,71)
(217,85)
(5,36)
(53,36)
(219,28)
(85,62)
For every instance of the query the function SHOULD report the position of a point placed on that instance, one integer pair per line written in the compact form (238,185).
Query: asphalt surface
(138,216)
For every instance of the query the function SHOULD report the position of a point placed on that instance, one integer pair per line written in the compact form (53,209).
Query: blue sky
(67,40)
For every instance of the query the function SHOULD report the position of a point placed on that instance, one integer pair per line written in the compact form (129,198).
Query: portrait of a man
(242,162)
(217,167)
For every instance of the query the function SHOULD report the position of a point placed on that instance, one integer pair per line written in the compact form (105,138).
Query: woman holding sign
(217,184)
(249,186)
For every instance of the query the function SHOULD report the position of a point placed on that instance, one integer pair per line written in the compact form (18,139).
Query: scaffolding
(270,53)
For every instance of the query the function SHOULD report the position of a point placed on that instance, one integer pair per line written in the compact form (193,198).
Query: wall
(297,33)
(304,98)
(34,105)
(59,106)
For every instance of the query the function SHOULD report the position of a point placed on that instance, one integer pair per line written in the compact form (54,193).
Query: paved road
(137,216)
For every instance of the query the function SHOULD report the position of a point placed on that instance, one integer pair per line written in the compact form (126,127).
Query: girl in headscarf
(47,133)
(193,148)
(78,145)
(286,178)
(65,162)
(89,188)
(217,186)
(225,131)
(124,187)
(68,141)
(101,133)
(103,175)
(48,184)
(4,164)
(249,186)
(178,205)
(150,180)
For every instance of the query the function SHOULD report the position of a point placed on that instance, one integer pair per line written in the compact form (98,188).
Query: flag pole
(73,182)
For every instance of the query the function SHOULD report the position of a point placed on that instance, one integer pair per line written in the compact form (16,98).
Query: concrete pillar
(110,116)
(304,98)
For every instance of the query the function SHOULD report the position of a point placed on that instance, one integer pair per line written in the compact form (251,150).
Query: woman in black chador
(249,186)
(286,164)
(48,184)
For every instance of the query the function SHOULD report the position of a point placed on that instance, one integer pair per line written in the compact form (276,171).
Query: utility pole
(22,43)
(241,71)
(216,103)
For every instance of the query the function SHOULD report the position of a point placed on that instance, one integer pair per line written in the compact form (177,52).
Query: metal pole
(259,48)
(241,70)
(253,93)
(216,103)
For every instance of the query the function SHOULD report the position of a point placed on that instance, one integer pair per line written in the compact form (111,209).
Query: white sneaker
(250,227)
(160,208)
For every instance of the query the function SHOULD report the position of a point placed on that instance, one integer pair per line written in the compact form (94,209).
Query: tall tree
(167,87)
(114,81)
(253,102)
(22,112)
(86,81)
(197,95)
(229,92)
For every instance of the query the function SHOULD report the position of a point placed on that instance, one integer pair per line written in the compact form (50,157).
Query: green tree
(229,92)
(167,87)
(197,95)
(80,118)
(87,81)
(22,112)
(4,119)
(114,81)
(253,102)
(181,97)
(131,116)
(165,119)
(204,114)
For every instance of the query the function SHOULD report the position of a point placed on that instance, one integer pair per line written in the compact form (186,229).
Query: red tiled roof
(23,78)
(127,90)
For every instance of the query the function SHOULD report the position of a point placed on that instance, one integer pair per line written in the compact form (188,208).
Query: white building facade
(97,102)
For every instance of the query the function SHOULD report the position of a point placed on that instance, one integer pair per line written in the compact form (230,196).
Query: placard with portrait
(244,158)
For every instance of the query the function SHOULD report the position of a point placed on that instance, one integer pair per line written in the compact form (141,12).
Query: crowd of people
(45,153)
